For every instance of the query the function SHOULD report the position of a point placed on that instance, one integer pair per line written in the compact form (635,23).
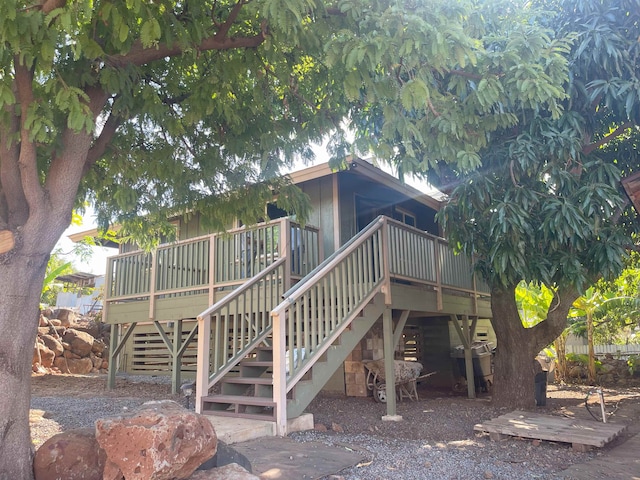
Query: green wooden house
(266,316)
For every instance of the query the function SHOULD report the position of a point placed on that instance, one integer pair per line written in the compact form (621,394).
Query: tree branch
(27,158)
(100,145)
(138,55)
(233,15)
(587,149)
(557,314)
(15,211)
(49,5)
(67,169)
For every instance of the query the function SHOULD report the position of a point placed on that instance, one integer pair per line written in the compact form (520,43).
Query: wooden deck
(581,434)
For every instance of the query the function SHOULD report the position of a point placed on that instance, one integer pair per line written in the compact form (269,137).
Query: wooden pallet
(581,434)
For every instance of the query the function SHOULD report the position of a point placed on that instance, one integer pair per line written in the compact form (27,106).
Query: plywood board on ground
(553,428)
(285,459)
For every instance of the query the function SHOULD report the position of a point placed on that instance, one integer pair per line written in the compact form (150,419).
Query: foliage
(545,204)
(50,288)
(634,364)
(583,360)
(533,302)
(433,81)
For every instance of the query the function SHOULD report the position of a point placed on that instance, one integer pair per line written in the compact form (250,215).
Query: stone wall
(67,343)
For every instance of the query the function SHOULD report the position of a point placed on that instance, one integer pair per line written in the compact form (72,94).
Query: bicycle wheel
(592,403)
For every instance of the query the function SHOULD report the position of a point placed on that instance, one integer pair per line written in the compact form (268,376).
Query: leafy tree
(545,204)
(140,107)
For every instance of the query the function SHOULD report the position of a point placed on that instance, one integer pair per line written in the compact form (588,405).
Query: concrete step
(235,430)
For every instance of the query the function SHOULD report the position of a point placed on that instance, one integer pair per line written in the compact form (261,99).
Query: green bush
(583,360)
(634,364)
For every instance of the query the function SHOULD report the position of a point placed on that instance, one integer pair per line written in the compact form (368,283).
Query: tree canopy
(546,204)
(144,108)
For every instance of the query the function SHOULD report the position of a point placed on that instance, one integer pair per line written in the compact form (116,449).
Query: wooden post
(279,373)
(468,358)
(111,376)
(438,266)
(176,357)
(386,267)
(212,268)
(152,286)
(389,366)
(402,321)
(202,368)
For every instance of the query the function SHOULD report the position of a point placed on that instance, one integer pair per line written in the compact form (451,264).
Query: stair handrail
(242,288)
(374,225)
(282,382)
(204,379)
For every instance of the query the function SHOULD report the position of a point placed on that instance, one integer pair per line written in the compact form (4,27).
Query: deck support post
(176,357)
(111,377)
(468,359)
(466,334)
(114,350)
(389,366)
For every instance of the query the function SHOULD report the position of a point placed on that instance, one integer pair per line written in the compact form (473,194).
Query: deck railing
(210,263)
(316,311)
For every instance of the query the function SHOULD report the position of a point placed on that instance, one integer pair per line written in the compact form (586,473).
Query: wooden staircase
(319,322)
(247,391)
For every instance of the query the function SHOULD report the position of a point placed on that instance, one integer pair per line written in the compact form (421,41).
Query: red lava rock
(72,455)
(159,441)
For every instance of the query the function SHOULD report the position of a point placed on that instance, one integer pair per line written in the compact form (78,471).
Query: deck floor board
(553,428)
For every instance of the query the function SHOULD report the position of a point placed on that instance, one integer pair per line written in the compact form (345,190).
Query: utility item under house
(277,309)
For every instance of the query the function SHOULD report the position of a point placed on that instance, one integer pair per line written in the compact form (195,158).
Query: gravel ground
(435,439)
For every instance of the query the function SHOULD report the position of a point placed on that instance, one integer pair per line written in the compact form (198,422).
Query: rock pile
(67,344)
(611,371)
(159,441)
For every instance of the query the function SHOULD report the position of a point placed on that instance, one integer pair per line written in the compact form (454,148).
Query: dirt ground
(439,415)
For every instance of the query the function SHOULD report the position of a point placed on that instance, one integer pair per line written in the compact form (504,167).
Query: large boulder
(79,343)
(66,316)
(159,441)
(43,355)
(77,366)
(71,455)
(53,344)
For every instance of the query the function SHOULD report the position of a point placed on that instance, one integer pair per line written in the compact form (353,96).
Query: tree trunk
(514,370)
(561,357)
(592,353)
(20,285)
(514,375)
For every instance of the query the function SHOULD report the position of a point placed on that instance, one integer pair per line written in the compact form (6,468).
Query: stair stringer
(306,390)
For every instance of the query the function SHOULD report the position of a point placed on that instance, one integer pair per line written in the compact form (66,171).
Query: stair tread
(240,399)
(249,380)
(256,363)
(227,413)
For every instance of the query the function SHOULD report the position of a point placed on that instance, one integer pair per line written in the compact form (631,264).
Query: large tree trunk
(20,286)
(518,346)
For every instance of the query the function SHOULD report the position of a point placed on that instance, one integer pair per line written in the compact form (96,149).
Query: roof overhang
(80,279)
(96,235)
(631,185)
(366,169)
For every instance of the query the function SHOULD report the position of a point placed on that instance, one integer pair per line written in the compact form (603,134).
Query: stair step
(248,380)
(256,363)
(240,400)
(253,416)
